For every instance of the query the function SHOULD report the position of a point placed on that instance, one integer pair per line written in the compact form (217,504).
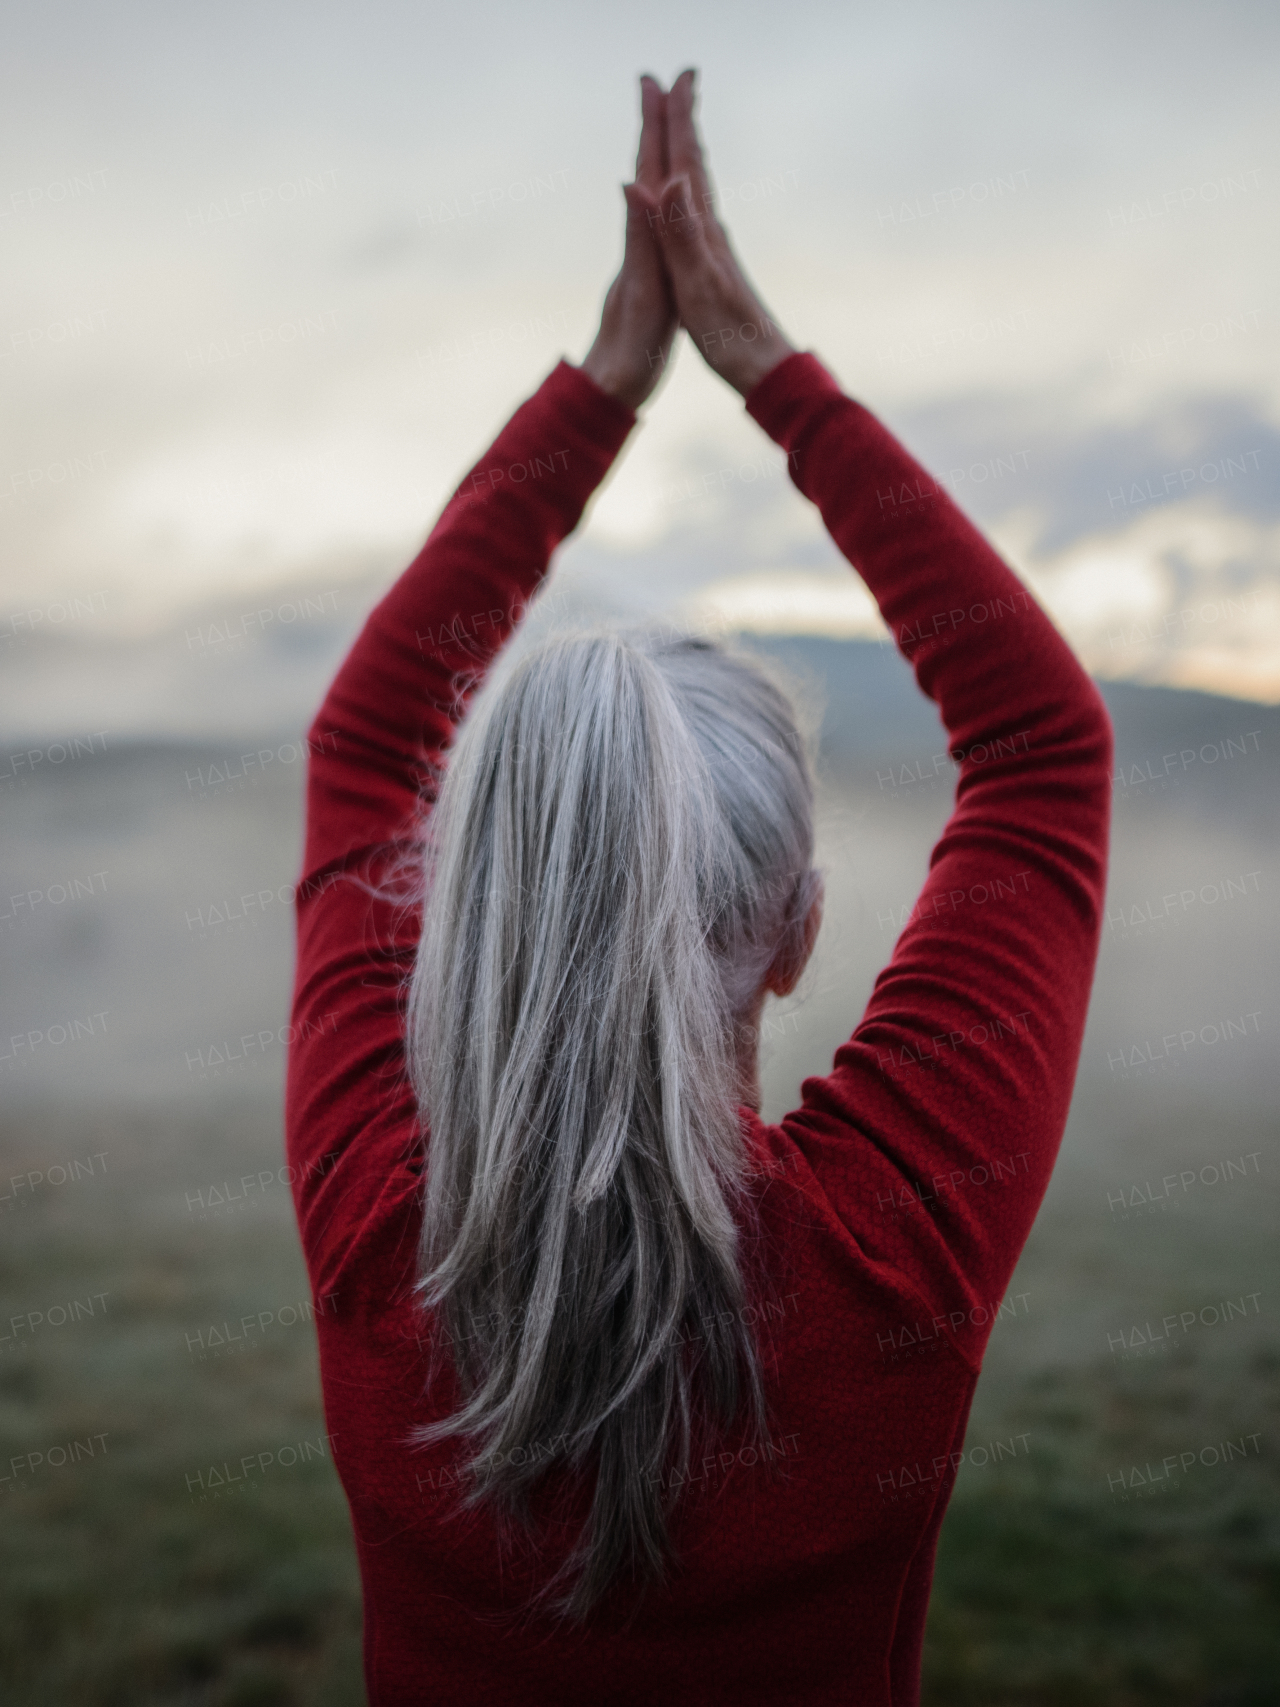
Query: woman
(612,1368)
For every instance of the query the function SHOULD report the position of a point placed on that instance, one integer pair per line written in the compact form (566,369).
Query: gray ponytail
(621,842)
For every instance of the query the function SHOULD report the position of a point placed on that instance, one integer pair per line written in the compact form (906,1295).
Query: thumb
(643,212)
(680,229)
(640,244)
(640,202)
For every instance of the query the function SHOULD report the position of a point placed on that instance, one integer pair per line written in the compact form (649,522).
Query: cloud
(1153,541)
(800,602)
(1084,472)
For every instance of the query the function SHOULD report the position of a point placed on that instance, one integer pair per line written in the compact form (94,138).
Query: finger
(683,146)
(642,258)
(643,215)
(651,165)
(643,253)
(641,199)
(679,228)
(645,212)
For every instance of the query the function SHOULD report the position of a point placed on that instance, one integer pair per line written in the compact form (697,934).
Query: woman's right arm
(958,1079)
(935,1134)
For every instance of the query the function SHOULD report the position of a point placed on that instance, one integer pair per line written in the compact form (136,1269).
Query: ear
(785,970)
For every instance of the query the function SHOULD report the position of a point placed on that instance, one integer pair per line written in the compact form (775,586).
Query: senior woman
(611,1364)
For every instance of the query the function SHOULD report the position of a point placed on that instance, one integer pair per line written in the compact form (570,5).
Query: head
(618,868)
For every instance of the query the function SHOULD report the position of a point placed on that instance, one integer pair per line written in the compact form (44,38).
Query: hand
(638,325)
(718,306)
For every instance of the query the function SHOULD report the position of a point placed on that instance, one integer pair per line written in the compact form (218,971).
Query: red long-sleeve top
(894,1200)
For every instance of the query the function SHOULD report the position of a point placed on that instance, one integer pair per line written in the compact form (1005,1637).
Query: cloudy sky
(274,277)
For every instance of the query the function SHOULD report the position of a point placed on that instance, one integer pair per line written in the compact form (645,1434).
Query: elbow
(1075,744)
(1097,731)
(323,730)
(323,747)
(320,726)
(1092,749)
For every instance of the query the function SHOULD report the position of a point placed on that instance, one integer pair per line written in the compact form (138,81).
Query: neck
(748,1070)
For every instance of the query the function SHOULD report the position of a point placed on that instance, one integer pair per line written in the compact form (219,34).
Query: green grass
(122,1589)
(1053,1588)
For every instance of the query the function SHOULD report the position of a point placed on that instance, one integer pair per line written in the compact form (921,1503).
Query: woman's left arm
(390,713)
(392,709)
(374,754)
(377,744)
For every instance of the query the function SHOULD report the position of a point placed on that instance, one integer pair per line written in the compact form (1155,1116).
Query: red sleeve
(374,752)
(935,1134)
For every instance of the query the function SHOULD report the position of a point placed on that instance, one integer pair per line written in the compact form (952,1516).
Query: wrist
(747,366)
(616,377)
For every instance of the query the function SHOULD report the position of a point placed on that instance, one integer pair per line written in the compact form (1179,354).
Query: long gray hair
(621,845)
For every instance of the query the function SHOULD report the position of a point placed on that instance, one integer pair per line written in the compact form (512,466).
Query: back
(893,1202)
(801,1577)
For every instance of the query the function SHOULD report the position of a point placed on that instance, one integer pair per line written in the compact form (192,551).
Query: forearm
(954,608)
(393,705)
(963,1064)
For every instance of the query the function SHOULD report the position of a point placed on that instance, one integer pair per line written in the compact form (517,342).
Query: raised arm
(380,738)
(935,1134)
(961,1072)
(394,704)
(390,713)
(375,749)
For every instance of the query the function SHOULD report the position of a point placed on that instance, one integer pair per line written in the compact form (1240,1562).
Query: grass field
(130,1576)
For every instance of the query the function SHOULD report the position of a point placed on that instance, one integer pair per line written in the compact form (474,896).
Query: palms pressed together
(678,267)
